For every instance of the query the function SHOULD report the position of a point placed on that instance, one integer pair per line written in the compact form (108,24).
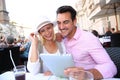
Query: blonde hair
(43,39)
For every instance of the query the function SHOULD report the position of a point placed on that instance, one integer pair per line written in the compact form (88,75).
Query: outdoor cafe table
(10,76)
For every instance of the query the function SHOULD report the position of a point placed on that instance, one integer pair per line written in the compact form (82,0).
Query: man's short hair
(10,39)
(64,9)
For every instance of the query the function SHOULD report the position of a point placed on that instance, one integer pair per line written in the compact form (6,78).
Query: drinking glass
(81,75)
(19,72)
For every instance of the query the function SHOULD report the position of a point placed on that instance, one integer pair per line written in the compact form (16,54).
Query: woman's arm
(33,64)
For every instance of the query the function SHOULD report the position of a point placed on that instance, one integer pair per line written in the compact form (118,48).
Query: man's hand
(72,69)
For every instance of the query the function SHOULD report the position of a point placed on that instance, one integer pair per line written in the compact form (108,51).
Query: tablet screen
(57,63)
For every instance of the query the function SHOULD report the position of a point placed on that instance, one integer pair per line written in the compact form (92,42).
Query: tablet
(57,63)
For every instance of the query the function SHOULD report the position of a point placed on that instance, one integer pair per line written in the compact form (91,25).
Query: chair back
(115,40)
(114,53)
(5,61)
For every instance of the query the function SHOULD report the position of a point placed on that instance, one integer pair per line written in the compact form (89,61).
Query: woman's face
(47,32)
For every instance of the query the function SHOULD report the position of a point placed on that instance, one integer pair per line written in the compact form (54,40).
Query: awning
(106,10)
(112,1)
(99,12)
(111,7)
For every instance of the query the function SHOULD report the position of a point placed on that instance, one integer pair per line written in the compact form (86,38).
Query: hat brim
(42,25)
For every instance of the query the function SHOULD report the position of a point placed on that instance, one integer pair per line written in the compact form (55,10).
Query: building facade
(98,14)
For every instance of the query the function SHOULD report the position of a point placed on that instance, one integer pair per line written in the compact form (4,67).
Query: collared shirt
(88,52)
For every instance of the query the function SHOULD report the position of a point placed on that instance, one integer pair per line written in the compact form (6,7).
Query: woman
(47,45)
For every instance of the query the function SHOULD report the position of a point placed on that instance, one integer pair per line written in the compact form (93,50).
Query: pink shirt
(88,52)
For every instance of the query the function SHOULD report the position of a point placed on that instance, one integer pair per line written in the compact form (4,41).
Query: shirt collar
(77,34)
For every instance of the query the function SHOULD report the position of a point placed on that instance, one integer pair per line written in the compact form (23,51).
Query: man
(24,49)
(87,52)
(10,41)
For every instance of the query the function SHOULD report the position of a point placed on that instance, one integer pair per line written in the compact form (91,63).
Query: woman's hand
(47,73)
(34,38)
(58,37)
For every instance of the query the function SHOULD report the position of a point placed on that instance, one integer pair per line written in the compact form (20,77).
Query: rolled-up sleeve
(108,70)
(104,64)
(33,67)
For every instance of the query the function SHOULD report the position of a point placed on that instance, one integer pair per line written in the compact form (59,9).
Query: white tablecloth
(10,76)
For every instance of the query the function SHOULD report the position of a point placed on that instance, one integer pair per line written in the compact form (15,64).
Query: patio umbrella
(112,8)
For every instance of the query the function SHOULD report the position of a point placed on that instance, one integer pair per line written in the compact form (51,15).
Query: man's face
(65,24)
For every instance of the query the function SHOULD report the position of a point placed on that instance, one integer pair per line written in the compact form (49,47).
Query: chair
(114,53)
(5,61)
(115,40)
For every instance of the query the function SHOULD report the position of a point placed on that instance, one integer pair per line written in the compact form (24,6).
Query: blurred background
(18,17)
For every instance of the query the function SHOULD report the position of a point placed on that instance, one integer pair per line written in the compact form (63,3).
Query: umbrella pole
(116,18)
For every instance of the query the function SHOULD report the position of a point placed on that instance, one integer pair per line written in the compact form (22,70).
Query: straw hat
(42,22)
